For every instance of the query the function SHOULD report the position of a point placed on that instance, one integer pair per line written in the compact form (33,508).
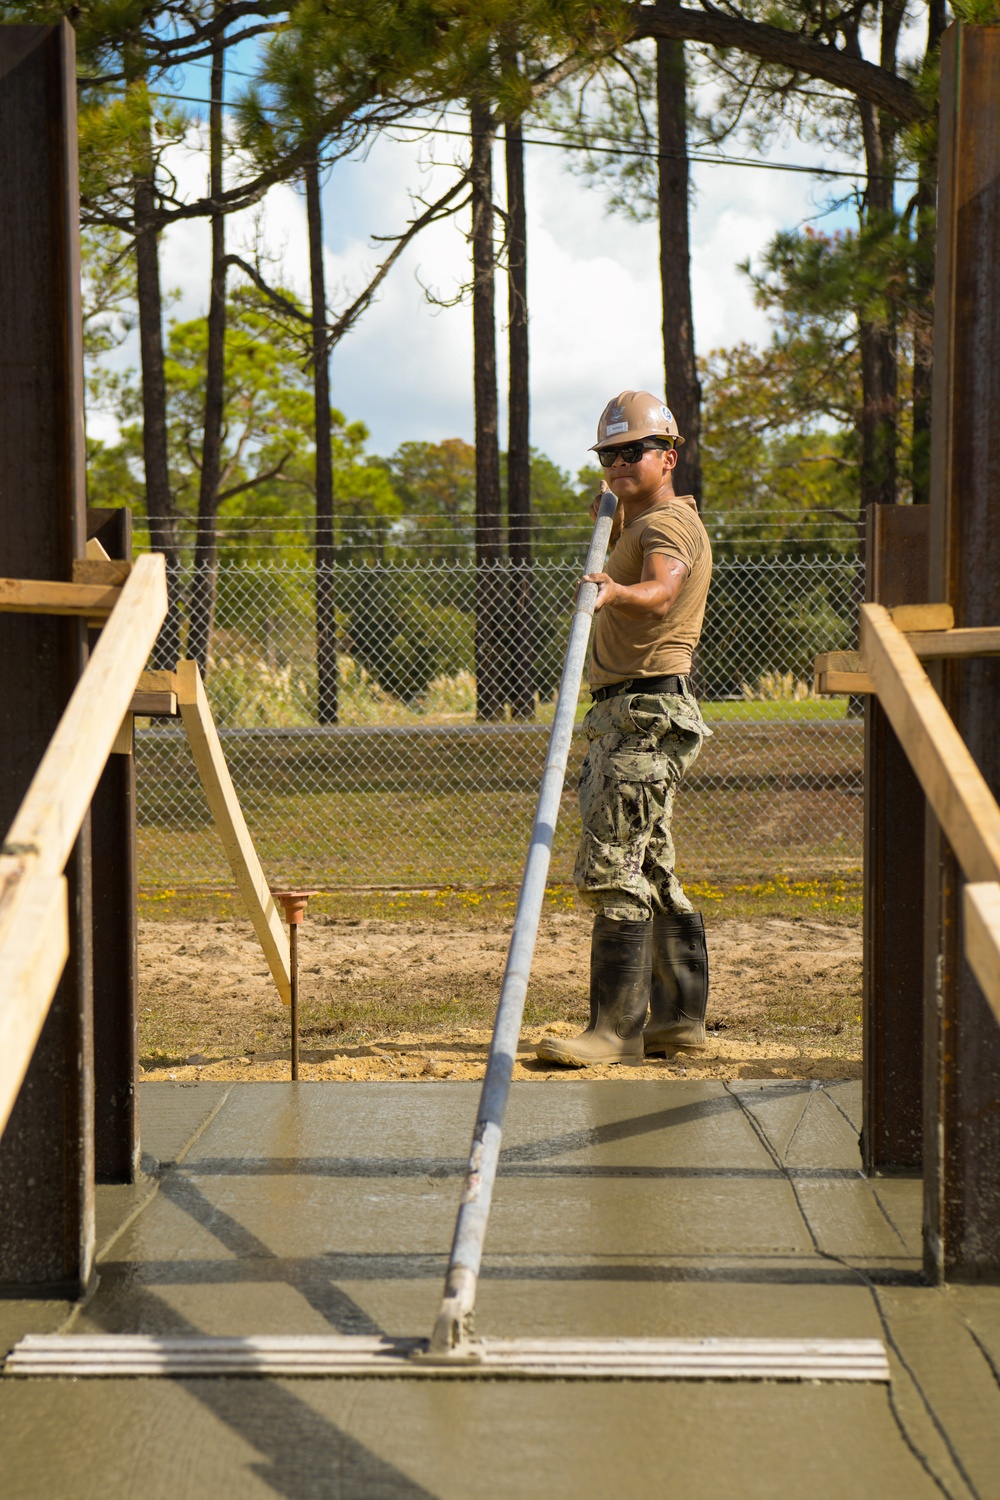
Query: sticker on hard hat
(614,427)
(667,413)
(616,412)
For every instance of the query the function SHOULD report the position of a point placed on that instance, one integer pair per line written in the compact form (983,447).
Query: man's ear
(670,456)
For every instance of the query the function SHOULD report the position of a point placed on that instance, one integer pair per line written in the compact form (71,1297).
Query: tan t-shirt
(625,646)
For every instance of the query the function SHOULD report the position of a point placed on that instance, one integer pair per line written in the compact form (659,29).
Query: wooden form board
(31,596)
(910,617)
(31,963)
(970,640)
(157,682)
(154,705)
(102,571)
(955,787)
(842,671)
(46,826)
(981,904)
(229,820)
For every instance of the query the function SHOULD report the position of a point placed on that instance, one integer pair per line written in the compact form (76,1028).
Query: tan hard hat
(633,415)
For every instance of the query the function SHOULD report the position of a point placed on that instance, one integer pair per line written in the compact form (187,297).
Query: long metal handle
(453,1326)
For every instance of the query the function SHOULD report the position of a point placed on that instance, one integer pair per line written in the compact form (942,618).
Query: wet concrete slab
(172,1117)
(673,1207)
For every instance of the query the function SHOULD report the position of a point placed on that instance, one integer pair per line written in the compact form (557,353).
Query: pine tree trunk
(206,542)
(683,387)
(878,338)
(491,592)
(522,625)
(156,466)
(923,292)
(326,617)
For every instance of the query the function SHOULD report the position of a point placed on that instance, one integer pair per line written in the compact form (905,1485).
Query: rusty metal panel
(962,1083)
(46,1153)
(115,937)
(896,551)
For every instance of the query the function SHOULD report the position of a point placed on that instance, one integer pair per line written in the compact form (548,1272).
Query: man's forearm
(641,600)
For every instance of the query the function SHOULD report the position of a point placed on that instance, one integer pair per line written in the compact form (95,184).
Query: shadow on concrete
(333,1304)
(305,1455)
(439,1168)
(306,1274)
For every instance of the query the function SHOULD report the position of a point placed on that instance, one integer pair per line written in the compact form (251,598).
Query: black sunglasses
(629,453)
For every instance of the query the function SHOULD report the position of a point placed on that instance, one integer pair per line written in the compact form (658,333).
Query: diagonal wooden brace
(224,803)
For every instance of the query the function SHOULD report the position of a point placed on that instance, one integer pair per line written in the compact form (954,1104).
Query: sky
(593,284)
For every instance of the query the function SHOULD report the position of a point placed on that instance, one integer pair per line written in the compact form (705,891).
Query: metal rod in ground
(294,903)
(293,971)
(452,1329)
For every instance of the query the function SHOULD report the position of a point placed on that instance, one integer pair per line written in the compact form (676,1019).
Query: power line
(567,143)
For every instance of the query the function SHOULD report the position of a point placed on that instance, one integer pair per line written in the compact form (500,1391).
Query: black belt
(657,685)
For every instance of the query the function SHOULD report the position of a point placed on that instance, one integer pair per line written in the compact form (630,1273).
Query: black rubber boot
(679,990)
(620,954)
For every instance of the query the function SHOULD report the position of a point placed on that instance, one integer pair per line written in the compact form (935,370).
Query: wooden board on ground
(229,820)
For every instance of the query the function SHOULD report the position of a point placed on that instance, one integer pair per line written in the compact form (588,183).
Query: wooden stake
(229,819)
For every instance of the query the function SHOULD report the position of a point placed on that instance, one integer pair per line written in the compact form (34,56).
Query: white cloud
(594,300)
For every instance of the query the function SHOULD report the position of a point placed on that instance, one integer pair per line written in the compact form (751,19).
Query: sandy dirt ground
(379,996)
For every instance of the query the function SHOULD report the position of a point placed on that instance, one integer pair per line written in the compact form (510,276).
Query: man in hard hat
(645,730)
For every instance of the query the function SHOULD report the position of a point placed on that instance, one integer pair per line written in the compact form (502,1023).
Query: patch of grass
(776,711)
(836,898)
(832,898)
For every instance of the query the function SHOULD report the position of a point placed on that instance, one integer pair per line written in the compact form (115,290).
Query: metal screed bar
(451,1331)
(115,1356)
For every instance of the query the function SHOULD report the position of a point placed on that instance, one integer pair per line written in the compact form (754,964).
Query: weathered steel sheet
(894,877)
(46,1153)
(116,960)
(962,1092)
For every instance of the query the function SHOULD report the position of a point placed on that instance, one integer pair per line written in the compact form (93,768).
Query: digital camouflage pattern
(640,747)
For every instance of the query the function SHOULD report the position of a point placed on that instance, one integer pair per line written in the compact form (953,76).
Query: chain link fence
(406,789)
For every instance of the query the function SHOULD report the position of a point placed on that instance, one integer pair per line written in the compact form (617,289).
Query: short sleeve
(669,536)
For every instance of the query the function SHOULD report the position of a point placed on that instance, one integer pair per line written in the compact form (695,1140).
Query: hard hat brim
(620,438)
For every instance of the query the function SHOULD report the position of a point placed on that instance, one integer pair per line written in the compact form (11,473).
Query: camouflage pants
(640,747)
